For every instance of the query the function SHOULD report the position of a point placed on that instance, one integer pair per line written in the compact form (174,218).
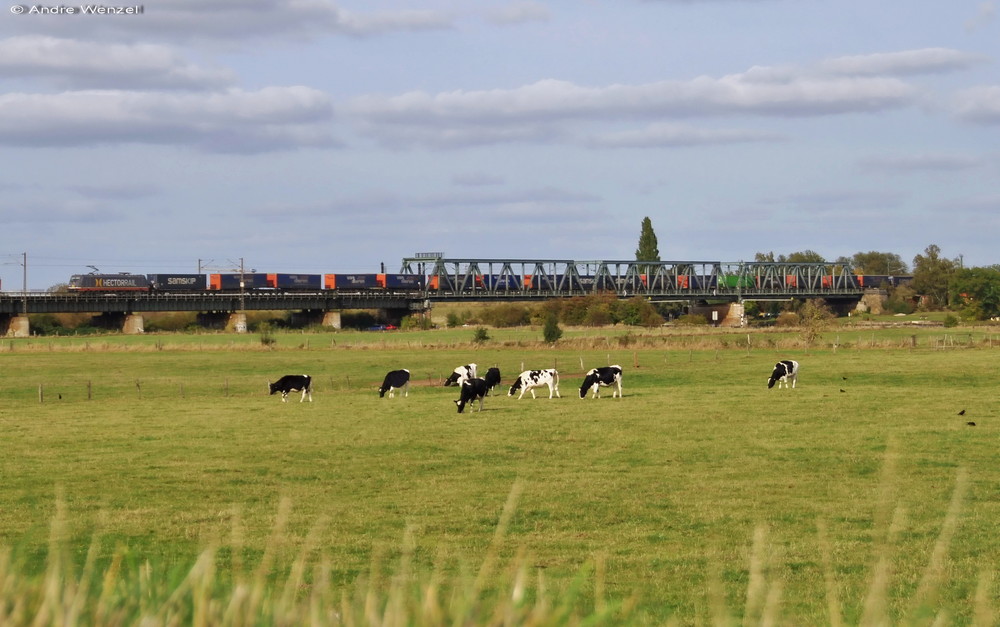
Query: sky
(315,136)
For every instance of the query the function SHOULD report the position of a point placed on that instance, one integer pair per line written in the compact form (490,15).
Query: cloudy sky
(334,136)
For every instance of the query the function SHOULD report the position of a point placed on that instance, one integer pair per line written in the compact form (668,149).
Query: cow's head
(272,386)
(588,383)
(515,387)
(778,372)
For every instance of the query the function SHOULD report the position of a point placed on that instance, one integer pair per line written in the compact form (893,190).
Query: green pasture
(700,497)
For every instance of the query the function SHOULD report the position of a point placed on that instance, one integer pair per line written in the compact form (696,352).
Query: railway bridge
(469,279)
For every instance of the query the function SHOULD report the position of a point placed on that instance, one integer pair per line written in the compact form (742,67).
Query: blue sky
(315,136)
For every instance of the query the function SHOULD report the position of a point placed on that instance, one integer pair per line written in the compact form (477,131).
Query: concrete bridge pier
(237,322)
(723,314)
(134,325)
(310,317)
(130,324)
(14,326)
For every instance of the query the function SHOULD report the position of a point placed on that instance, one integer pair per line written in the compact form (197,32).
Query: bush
(787,319)
(950,321)
(551,331)
(507,315)
(691,319)
(481,335)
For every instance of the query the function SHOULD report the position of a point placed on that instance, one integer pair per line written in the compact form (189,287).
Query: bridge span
(445,279)
(489,279)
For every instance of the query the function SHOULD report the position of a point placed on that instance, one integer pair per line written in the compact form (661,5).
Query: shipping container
(501,282)
(350,281)
(232,282)
(296,281)
(402,281)
(178,282)
(122,282)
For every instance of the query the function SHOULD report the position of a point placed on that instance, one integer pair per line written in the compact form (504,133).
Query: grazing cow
(395,380)
(531,379)
(460,373)
(599,377)
(472,389)
(784,371)
(293,383)
(492,378)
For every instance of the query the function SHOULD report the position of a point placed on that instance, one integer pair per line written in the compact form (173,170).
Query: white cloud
(921,163)
(665,135)
(534,112)
(74,64)
(554,99)
(923,61)
(519,12)
(979,104)
(273,118)
(241,22)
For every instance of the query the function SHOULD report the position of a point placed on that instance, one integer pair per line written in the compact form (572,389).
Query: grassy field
(702,497)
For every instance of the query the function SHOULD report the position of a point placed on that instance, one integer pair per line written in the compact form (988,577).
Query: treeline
(939,283)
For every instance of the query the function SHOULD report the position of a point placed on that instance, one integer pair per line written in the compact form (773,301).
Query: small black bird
(971,424)
(961,413)
(844,378)
(842,390)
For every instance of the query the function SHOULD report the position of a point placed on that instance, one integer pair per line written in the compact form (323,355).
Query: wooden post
(89,389)
(41,395)
(138,388)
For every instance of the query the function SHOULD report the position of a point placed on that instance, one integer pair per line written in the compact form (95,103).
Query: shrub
(551,331)
(691,319)
(507,315)
(481,335)
(950,321)
(787,319)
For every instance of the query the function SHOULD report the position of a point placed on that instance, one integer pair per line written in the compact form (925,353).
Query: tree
(931,275)
(805,256)
(878,263)
(551,331)
(647,250)
(978,291)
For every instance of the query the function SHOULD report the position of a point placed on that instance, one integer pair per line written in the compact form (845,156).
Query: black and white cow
(784,371)
(492,378)
(472,389)
(531,379)
(395,380)
(460,373)
(599,377)
(293,383)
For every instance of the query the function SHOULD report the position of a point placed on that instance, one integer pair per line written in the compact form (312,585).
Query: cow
(531,379)
(472,389)
(293,383)
(462,372)
(395,380)
(599,377)
(492,378)
(784,371)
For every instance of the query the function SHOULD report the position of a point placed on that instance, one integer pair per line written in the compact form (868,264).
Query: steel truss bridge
(487,279)
(492,279)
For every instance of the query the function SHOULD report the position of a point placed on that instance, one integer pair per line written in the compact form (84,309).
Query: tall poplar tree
(647,250)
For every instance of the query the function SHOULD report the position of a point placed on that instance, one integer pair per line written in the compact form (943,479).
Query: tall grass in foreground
(299,591)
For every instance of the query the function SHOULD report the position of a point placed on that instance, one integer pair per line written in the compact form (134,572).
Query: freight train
(466,284)
(249,281)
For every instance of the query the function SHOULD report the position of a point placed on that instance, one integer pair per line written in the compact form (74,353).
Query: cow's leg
(406,389)
(284,396)
(532,392)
